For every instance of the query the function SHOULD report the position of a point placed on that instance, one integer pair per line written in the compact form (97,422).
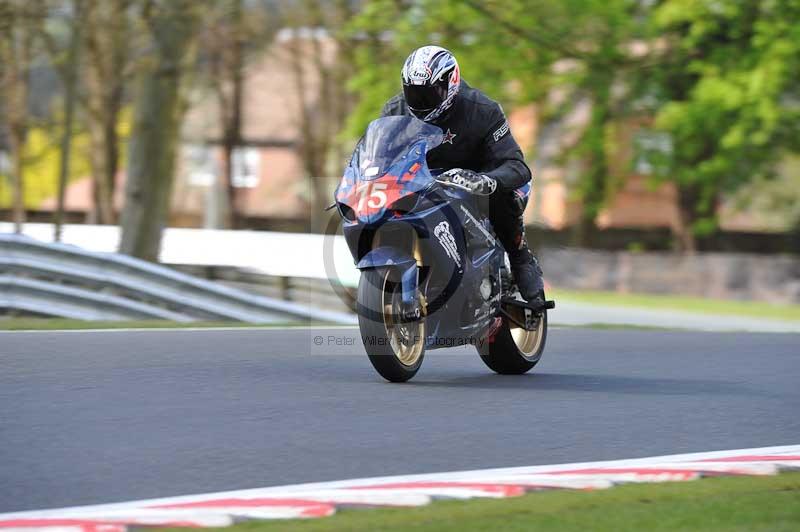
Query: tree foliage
(716,83)
(20,21)
(387,31)
(727,95)
(510,49)
(718,80)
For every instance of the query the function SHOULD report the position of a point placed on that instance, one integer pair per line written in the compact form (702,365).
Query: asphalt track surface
(111,416)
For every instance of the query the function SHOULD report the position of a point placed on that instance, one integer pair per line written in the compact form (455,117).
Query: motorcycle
(433,273)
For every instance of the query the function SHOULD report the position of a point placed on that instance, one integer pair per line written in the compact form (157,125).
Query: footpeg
(535,306)
(531,312)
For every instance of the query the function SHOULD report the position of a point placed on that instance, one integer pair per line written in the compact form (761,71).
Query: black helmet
(430,82)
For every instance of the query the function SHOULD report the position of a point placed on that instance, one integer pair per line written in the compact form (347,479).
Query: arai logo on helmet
(419,73)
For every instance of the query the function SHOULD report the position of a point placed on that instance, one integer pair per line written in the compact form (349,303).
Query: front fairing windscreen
(388,140)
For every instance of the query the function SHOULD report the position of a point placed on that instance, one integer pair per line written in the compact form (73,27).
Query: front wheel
(514,350)
(394,348)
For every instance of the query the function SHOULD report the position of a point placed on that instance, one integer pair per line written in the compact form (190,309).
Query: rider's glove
(479,184)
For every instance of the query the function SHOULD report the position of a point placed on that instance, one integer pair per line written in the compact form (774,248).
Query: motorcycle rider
(478,149)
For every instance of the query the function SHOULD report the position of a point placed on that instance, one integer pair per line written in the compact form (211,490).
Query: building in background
(272,190)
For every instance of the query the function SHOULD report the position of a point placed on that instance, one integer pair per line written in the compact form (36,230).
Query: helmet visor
(424,98)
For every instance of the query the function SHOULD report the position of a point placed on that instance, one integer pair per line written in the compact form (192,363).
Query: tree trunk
(17,144)
(314,143)
(217,212)
(233,133)
(697,211)
(106,43)
(18,25)
(226,50)
(687,215)
(158,111)
(70,79)
(17,122)
(221,216)
(345,59)
(104,160)
(320,86)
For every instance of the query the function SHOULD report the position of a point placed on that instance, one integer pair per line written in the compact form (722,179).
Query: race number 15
(371,193)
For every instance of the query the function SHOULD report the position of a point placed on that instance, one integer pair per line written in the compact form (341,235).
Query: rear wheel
(394,348)
(514,350)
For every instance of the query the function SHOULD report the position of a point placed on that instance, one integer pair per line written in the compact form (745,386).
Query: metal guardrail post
(286,288)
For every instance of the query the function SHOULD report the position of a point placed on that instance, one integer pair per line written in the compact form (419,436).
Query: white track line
(321,499)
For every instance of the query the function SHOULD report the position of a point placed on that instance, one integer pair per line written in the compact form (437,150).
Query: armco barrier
(277,254)
(771,278)
(64,280)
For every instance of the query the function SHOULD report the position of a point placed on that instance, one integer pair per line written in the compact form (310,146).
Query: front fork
(412,305)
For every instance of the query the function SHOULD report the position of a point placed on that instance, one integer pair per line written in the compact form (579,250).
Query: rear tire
(395,350)
(513,350)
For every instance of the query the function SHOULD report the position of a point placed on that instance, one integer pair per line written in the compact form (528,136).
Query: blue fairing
(435,237)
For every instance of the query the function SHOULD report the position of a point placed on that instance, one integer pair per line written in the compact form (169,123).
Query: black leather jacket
(477,137)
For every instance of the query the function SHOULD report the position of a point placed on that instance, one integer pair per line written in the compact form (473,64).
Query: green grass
(730,503)
(754,309)
(53,324)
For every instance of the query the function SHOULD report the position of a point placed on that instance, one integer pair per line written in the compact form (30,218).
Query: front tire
(395,349)
(514,350)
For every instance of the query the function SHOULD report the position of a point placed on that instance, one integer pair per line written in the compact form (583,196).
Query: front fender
(403,263)
(385,256)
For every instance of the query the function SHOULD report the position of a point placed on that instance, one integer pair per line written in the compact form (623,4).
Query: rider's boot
(524,266)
